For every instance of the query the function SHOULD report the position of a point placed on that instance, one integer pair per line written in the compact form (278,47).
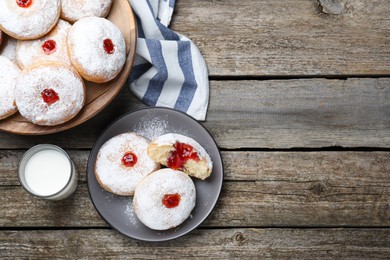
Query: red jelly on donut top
(182,153)
(108,46)
(49,96)
(171,200)
(24,3)
(129,159)
(49,46)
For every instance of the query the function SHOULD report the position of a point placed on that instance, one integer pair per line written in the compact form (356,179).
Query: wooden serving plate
(98,95)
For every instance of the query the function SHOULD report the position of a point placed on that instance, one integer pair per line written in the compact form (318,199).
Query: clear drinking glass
(47,172)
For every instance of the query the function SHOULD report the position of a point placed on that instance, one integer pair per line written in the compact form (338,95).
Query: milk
(47,172)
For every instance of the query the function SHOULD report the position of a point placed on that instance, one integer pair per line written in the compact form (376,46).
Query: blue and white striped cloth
(168,70)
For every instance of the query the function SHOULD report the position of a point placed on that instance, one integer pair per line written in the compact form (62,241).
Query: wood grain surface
(300,107)
(261,189)
(288,37)
(202,243)
(277,114)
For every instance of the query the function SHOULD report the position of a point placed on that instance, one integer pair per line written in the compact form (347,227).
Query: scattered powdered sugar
(58,77)
(87,53)
(73,10)
(29,52)
(151,127)
(147,199)
(109,168)
(8,75)
(171,139)
(131,214)
(31,22)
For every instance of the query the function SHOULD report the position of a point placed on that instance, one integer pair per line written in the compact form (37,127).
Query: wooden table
(300,108)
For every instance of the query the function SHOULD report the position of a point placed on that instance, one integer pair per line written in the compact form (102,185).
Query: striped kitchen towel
(168,70)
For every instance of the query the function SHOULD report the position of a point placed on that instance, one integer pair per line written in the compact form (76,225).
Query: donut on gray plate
(164,199)
(183,153)
(122,163)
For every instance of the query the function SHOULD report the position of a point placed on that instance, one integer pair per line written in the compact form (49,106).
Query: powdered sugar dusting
(131,214)
(63,80)
(171,139)
(148,199)
(109,169)
(29,52)
(31,22)
(8,74)
(151,127)
(87,54)
(73,10)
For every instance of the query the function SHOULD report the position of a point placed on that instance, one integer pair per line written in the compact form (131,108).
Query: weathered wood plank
(266,114)
(371,168)
(215,244)
(301,113)
(261,189)
(289,37)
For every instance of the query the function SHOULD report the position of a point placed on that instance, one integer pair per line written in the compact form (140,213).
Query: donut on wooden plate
(183,153)
(96,49)
(164,199)
(51,47)
(8,75)
(74,10)
(122,163)
(49,93)
(28,19)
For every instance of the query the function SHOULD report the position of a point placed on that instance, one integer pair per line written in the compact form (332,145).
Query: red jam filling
(182,153)
(49,96)
(108,46)
(171,200)
(49,46)
(129,159)
(24,3)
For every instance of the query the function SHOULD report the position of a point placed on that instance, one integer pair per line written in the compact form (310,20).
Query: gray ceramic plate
(117,211)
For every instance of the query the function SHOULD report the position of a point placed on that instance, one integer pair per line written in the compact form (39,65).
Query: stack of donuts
(52,47)
(157,173)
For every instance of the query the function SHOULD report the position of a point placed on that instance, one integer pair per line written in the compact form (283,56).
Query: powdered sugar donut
(96,49)
(74,10)
(49,93)
(164,199)
(183,153)
(8,74)
(51,47)
(28,19)
(122,163)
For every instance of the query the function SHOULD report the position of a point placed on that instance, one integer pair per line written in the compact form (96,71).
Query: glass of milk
(47,172)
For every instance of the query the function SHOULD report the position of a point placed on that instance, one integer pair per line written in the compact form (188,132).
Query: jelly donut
(183,153)
(8,75)
(49,93)
(74,10)
(164,199)
(28,19)
(51,47)
(96,49)
(122,163)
